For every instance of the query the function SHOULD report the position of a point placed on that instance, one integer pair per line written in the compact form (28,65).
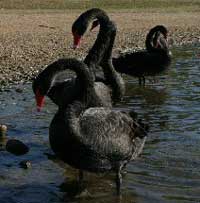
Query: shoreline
(29,42)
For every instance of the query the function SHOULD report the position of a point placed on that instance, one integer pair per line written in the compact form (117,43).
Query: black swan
(88,137)
(111,87)
(150,62)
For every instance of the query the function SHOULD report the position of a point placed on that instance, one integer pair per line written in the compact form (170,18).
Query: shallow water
(167,171)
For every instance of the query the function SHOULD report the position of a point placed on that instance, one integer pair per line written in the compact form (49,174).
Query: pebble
(3,130)
(16,147)
(26,164)
(24,56)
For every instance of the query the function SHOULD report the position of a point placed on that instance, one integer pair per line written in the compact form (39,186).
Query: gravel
(31,40)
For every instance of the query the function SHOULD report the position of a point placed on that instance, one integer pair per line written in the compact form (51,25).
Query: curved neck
(112,78)
(96,53)
(46,78)
(153,37)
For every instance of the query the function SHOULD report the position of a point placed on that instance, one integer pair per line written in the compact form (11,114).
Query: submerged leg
(80,176)
(140,81)
(143,80)
(118,181)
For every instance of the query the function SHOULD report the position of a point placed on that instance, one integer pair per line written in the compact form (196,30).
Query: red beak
(158,45)
(39,100)
(77,40)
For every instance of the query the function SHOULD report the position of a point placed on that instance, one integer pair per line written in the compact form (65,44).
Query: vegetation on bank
(185,5)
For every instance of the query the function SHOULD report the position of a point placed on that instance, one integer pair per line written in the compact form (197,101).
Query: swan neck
(96,52)
(48,76)
(153,36)
(111,76)
(148,41)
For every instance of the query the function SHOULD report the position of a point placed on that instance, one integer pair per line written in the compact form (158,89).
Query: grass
(185,5)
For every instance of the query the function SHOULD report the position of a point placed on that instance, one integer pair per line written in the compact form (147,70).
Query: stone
(26,164)
(16,147)
(3,130)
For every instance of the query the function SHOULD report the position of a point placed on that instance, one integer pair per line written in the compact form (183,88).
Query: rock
(19,90)
(3,130)
(26,164)
(16,147)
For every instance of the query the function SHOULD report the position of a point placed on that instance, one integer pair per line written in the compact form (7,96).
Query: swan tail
(141,129)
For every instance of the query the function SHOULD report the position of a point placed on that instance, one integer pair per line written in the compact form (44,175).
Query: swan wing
(110,133)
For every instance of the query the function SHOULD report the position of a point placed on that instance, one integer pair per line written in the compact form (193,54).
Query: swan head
(81,24)
(161,29)
(41,87)
(79,28)
(160,39)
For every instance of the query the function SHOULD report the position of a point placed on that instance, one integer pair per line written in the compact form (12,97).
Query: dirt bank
(31,40)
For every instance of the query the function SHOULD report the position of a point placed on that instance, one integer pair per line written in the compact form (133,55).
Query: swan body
(111,87)
(97,139)
(150,62)
(85,135)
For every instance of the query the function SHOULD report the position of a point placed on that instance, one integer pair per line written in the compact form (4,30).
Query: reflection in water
(167,171)
(149,94)
(3,141)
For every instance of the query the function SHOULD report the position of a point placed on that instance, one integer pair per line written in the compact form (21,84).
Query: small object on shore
(26,164)
(16,147)
(3,130)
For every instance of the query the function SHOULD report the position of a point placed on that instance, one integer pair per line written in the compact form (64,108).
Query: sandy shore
(31,40)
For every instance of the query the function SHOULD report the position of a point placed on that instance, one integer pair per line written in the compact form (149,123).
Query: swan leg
(118,181)
(140,81)
(80,176)
(143,79)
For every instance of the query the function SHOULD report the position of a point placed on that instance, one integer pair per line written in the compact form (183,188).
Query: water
(167,171)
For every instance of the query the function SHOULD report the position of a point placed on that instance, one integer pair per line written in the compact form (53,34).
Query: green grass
(185,5)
